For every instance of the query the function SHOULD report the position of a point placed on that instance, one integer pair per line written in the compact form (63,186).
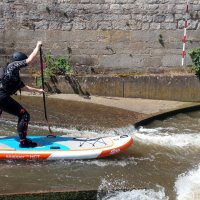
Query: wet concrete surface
(76,114)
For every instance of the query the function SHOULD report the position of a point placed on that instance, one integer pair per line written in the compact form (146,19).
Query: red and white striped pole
(185,31)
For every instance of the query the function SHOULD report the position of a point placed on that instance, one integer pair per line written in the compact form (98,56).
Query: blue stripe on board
(44,143)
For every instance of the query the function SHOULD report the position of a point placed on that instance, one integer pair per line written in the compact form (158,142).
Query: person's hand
(39,44)
(40,91)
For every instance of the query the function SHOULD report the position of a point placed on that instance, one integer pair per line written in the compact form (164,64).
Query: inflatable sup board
(63,147)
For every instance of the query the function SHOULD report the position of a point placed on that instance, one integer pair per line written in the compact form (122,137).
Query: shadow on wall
(73,82)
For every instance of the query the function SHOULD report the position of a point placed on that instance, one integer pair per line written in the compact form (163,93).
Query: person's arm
(32,89)
(34,53)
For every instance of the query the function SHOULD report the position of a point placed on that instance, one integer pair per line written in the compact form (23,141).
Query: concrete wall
(107,35)
(176,87)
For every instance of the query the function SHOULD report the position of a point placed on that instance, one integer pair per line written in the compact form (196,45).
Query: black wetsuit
(8,104)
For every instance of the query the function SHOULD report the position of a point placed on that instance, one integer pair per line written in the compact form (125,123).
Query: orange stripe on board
(116,150)
(15,156)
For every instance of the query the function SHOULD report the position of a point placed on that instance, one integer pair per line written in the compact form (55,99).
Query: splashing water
(187,185)
(123,194)
(160,136)
(142,194)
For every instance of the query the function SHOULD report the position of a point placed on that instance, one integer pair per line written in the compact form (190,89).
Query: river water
(162,164)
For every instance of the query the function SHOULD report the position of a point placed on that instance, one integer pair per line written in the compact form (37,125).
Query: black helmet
(18,56)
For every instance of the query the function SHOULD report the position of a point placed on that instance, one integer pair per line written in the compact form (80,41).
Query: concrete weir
(163,115)
(162,87)
(72,195)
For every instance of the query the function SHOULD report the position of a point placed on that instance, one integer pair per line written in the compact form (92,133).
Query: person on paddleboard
(10,83)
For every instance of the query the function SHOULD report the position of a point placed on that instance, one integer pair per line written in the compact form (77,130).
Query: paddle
(44,99)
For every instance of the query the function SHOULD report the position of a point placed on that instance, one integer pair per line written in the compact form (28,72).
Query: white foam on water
(187,185)
(136,194)
(168,139)
(113,162)
(142,194)
(119,162)
(111,184)
(157,130)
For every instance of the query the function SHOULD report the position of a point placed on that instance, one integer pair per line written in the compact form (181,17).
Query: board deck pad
(64,147)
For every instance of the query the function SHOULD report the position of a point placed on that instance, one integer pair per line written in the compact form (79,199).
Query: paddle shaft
(44,99)
(42,77)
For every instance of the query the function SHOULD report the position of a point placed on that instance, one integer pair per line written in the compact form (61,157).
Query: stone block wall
(102,35)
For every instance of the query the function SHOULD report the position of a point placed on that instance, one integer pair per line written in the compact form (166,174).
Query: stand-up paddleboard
(63,147)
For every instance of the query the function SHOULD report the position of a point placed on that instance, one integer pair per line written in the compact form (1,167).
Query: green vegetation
(195,56)
(59,65)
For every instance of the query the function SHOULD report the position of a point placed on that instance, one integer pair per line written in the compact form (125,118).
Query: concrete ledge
(167,114)
(162,87)
(72,195)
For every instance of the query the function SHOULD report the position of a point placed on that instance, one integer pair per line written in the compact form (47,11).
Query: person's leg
(23,120)
(10,106)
